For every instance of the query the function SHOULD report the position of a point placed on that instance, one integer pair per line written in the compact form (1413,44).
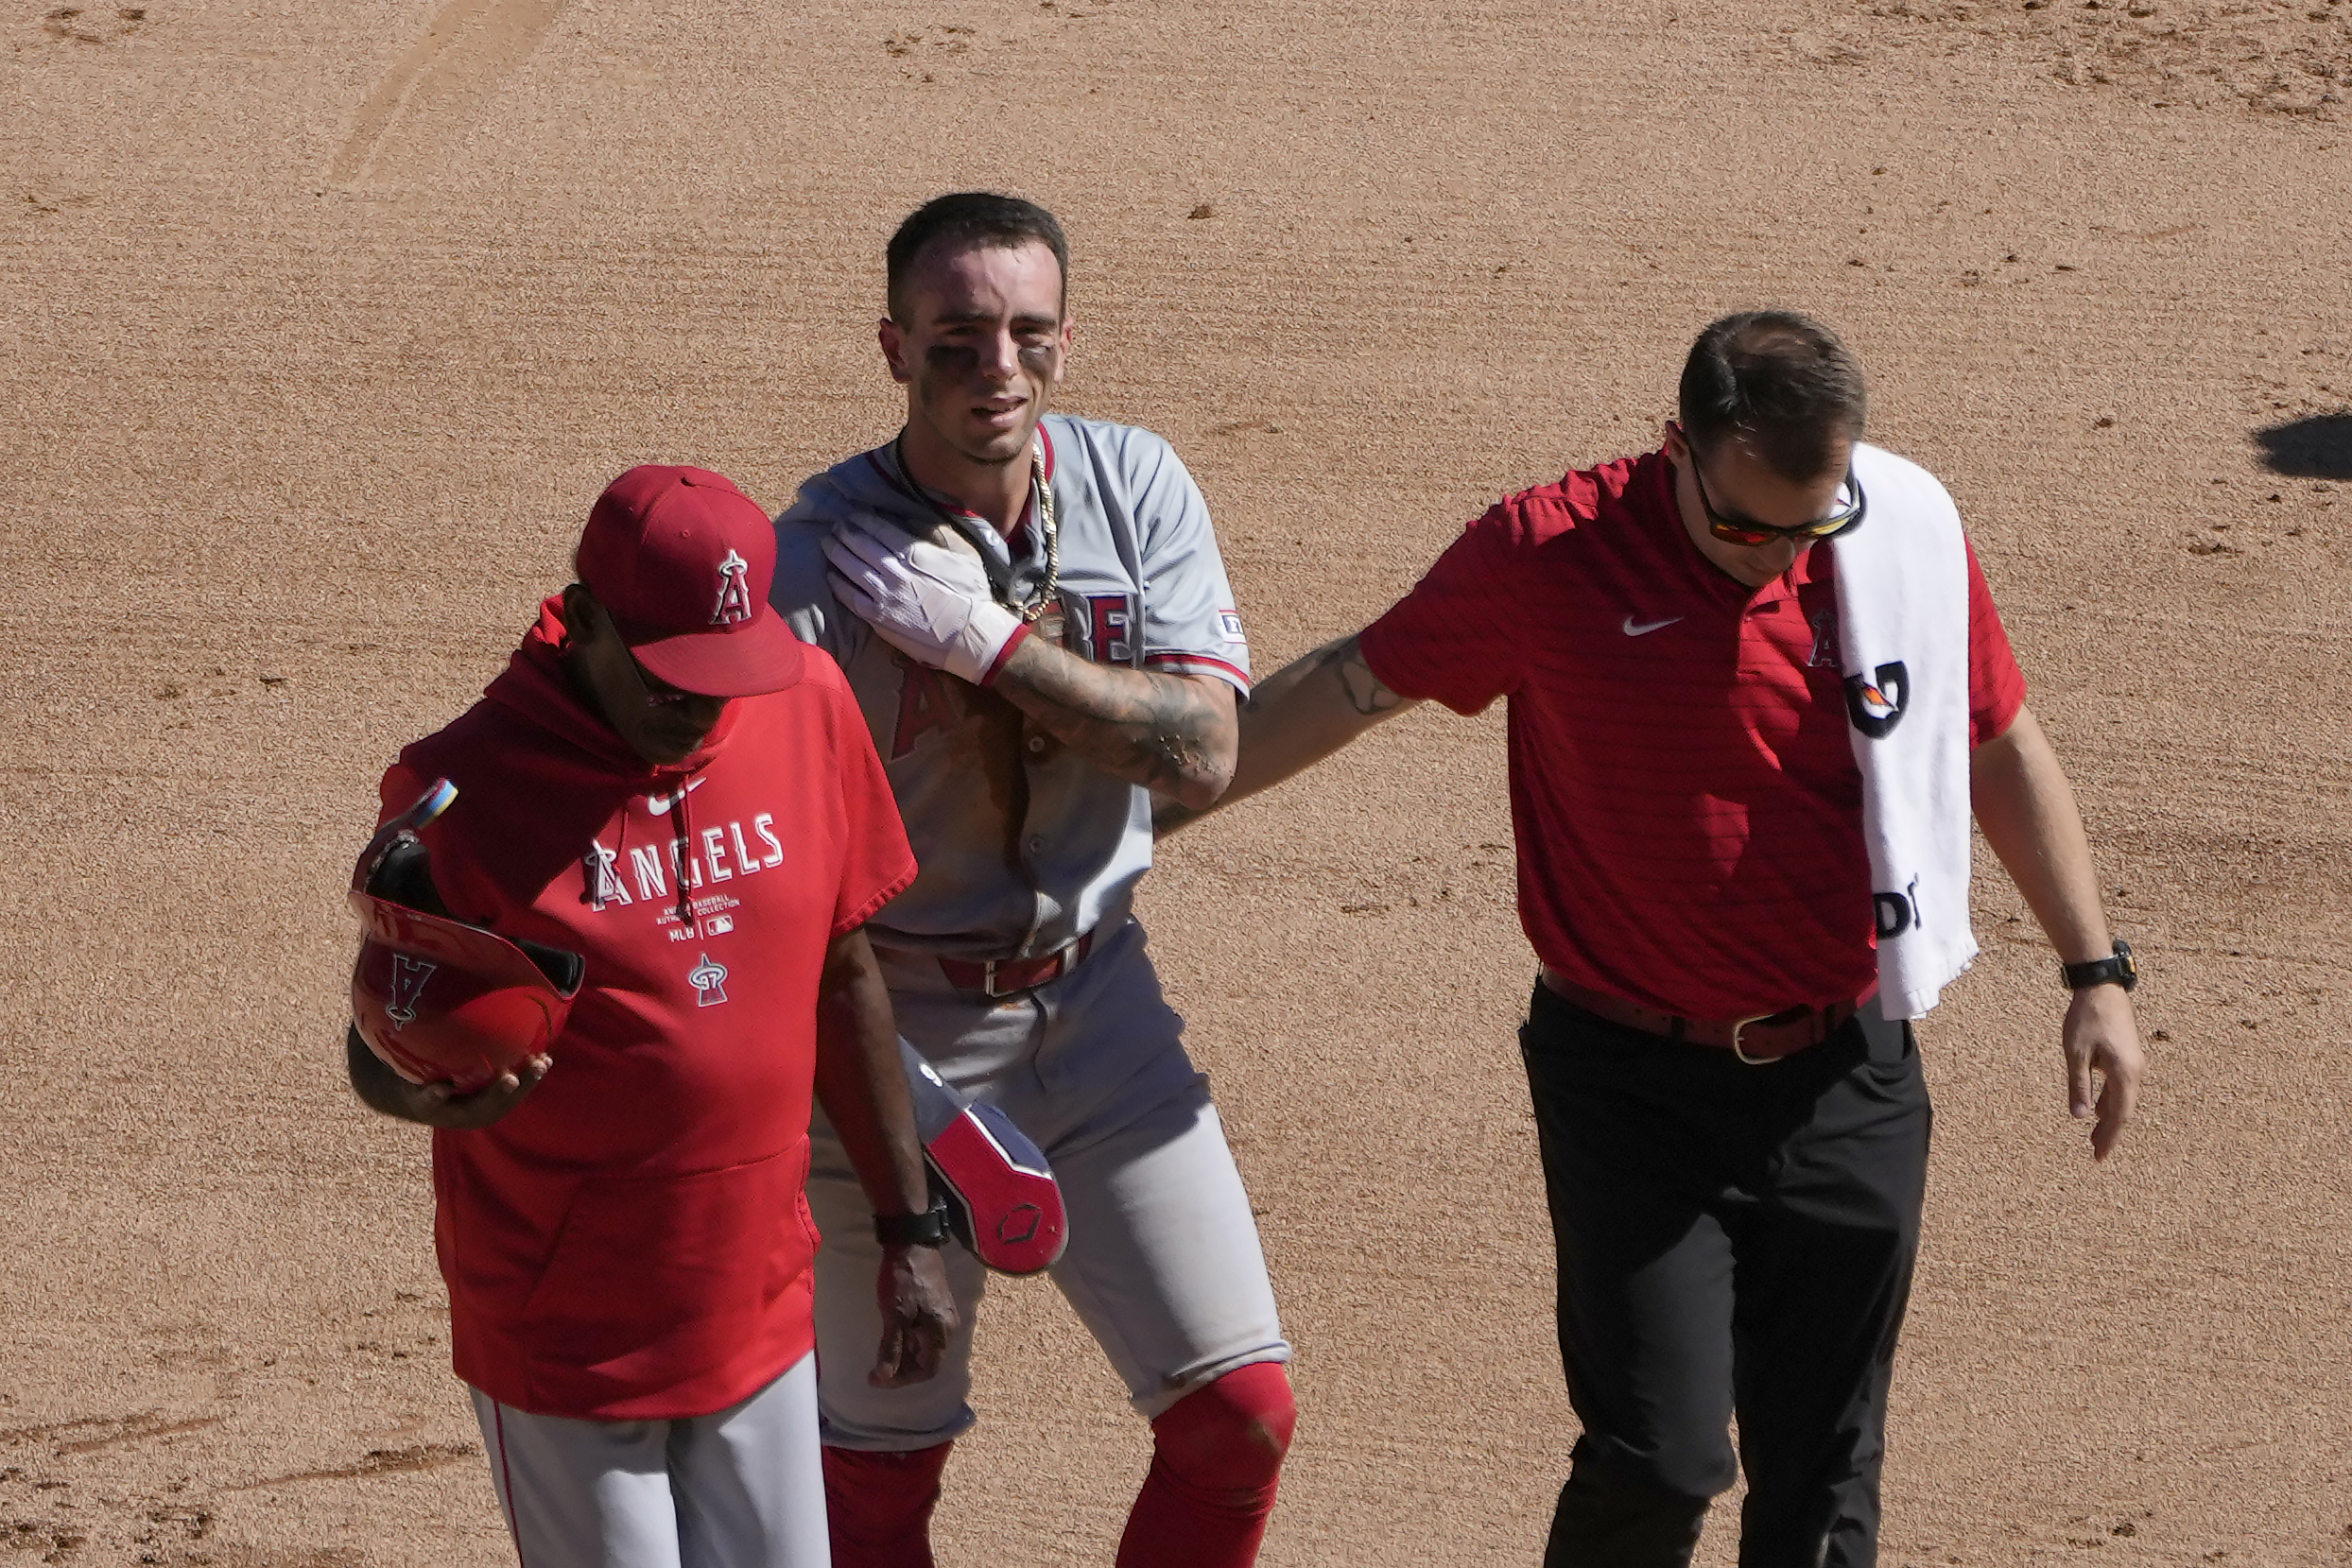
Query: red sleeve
(397,792)
(1995,685)
(463,889)
(878,863)
(1454,638)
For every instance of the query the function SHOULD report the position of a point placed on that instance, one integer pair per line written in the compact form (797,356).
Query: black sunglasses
(1740,530)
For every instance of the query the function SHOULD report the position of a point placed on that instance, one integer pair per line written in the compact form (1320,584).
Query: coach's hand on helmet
(435,1106)
(918,1315)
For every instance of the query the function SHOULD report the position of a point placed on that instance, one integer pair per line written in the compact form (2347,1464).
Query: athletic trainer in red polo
(1756,687)
(664,782)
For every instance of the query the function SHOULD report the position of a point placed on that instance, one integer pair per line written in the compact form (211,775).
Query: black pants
(1732,1240)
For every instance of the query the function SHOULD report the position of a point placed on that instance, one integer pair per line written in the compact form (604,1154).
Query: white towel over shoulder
(1903,636)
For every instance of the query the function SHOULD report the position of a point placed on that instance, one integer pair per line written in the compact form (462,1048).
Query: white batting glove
(931,602)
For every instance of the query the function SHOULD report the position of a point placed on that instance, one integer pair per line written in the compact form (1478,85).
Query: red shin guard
(1217,1455)
(878,1506)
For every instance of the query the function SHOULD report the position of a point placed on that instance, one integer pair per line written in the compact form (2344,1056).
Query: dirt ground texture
(323,324)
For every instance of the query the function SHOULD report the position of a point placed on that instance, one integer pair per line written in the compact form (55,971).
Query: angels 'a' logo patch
(735,593)
(1825,638)
(1876,702)
(409,977)
(709,980)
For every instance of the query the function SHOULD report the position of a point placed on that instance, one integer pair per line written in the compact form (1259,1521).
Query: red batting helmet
(1003,1201)
(440,1000)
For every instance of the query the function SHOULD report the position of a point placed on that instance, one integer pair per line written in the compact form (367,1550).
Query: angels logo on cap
(734,604)
(655,540)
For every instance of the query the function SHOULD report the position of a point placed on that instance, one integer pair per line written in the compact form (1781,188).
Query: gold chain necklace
(1049,524)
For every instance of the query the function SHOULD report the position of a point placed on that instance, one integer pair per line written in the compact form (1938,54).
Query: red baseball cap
(683,560)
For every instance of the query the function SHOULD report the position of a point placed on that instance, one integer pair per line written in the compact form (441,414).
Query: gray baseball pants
(1163,1265)
(742,1488)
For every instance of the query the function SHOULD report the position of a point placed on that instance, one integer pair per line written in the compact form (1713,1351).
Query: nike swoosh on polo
(658,804)
(1643,629)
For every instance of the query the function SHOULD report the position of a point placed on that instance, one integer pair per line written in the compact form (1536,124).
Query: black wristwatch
(927,1229)
(2118,971)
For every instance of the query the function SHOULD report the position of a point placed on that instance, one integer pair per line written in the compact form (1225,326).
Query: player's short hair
(1779,382)
(966,219)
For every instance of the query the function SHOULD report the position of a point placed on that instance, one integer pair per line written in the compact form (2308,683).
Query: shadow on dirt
(2315,448)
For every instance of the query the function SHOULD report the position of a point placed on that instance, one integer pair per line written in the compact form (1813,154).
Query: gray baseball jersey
(1023,845)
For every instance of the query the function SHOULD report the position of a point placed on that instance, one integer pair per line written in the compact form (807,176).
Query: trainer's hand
(932,602)
(2102,1038)
(918,1315)
(435,1106)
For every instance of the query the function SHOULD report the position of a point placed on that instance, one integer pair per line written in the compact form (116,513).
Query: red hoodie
(630,1243)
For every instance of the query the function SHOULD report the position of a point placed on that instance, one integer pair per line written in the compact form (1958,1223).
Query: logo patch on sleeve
(1229,621)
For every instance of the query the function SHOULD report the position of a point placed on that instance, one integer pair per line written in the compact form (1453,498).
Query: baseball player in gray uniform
(1035,620)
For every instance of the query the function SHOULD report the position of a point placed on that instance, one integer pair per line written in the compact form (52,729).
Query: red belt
(1003,977)
(1767,1036)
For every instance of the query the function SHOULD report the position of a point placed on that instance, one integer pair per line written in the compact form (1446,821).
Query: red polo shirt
(630,1243)
(1683,791)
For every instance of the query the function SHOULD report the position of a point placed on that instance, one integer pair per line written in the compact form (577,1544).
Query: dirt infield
(323,323)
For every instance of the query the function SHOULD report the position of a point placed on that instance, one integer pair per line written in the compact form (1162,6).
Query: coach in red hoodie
(668,783)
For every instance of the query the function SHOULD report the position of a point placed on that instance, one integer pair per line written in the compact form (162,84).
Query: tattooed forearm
(1297,715)
(1157,733)
(1173,733)
(1364,691)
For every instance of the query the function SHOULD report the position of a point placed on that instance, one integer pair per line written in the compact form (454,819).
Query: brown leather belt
(1005,976)
(1768,1037)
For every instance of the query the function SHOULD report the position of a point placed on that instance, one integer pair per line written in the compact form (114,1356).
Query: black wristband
(926,1229)
(2118,971)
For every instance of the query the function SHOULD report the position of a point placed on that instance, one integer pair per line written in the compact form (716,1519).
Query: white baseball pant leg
(1163,1268)
(1164,1265)
(742,1488)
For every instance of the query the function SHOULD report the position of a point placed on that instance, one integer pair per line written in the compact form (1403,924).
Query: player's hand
(435,1106)
(932,602)
(918,1315)
(2104,1062)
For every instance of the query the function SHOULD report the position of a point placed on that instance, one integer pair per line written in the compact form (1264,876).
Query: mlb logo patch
(1229,623)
